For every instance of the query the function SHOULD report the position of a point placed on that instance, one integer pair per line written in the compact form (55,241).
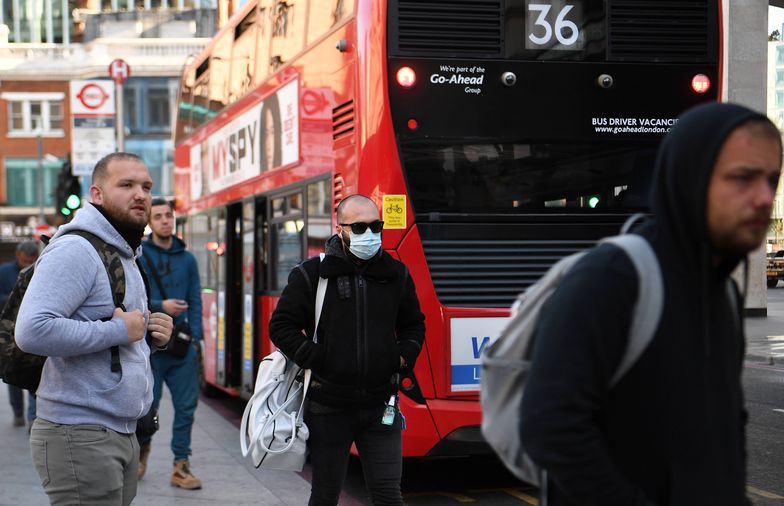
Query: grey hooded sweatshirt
(60,318)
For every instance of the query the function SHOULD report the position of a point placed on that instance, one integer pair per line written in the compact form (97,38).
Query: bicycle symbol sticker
(394,211)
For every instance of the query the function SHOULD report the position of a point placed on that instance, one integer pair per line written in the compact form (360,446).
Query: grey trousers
(85,464)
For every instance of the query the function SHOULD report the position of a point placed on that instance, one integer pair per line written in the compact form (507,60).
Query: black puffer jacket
(671,432)
(370,318)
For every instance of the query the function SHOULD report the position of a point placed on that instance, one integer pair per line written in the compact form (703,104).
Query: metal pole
(17,22)
(41,175)
(120,120)
(49,22)
(66,23)
(2,13)
(35,22)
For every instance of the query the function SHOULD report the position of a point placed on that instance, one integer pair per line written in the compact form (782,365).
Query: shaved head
(352,203)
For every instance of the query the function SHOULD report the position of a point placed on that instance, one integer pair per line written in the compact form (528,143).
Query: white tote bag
(272,429)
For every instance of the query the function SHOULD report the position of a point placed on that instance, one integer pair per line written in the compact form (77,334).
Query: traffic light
(68,194)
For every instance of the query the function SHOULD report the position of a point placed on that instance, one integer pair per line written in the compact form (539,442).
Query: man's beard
(124,218)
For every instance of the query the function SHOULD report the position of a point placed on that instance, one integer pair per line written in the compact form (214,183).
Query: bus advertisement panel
(262,138)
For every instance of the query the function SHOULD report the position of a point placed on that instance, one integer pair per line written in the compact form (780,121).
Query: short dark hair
(160,201)
(27,247)
(99,172)
(339,212)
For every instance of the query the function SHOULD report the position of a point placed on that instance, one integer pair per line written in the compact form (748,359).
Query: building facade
(775,111)
(46,44)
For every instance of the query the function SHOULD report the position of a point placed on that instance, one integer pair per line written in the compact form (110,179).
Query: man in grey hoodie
(83,442)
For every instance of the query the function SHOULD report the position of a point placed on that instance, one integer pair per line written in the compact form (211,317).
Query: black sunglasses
(359,227)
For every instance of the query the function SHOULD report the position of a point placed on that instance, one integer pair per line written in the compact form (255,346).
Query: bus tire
(773,282)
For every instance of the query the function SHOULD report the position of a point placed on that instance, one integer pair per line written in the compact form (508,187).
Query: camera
(508,78)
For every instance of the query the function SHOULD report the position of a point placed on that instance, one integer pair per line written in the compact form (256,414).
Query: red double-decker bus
(497,136)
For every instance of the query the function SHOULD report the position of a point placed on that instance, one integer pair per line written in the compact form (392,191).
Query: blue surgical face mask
(364,246)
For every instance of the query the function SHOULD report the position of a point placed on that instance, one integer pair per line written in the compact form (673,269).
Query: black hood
(683,169)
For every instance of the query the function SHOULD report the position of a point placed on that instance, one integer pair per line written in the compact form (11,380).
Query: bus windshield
(539,178)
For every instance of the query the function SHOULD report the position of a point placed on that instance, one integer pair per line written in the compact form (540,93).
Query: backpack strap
(112,261)
(321,291)
(650,300)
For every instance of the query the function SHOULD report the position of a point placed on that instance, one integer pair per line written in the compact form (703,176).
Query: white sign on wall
(93,134)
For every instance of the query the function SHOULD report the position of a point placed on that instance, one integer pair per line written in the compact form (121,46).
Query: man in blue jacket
(83,440)
(174,283)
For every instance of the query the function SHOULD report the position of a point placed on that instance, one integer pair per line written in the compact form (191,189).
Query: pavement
(765,334)
(228,478)
(231,480)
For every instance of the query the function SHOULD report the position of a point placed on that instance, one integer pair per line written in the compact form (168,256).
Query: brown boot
(144,454)
(183,477)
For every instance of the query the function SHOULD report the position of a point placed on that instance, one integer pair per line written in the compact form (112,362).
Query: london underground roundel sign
(92,96)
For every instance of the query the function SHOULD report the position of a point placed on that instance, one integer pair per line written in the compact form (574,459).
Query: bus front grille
(446,28)
(487,261)
(660,31)
(484,273)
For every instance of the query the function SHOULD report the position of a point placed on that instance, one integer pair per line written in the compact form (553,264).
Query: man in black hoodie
(370,329)
(672,431)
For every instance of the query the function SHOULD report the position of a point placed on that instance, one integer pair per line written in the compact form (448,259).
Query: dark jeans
(16,398)
(379,447)
(179,374)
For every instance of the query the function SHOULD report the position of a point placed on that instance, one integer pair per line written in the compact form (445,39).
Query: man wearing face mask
(371,328)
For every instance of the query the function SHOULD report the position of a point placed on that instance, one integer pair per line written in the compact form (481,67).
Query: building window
(56,115)
(158,156)
(27,112)
(22,178)
(15,116)
(780,55)
(159,109)
(147,106)
(780,99)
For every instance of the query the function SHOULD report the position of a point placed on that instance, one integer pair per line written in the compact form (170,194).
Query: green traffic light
(65,211)
(593,202)
(73,202)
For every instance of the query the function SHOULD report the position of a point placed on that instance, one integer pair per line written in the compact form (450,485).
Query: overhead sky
(775,18)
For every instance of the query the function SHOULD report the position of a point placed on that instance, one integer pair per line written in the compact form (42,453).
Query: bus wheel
(773,282)
(207,390)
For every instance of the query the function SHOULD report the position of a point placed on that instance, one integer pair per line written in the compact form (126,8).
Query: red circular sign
(119,70)
(92,96)
(313,102)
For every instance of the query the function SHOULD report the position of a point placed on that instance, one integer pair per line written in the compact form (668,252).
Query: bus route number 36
(550,27)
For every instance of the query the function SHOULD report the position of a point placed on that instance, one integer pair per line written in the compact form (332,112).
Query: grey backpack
(507,361)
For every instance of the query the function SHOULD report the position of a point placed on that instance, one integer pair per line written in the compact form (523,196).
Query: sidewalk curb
(764,358)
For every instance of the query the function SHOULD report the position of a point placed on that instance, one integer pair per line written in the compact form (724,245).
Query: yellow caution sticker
(394,211)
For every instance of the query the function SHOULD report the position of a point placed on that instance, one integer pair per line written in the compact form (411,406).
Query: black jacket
(370,318)
(671,432)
